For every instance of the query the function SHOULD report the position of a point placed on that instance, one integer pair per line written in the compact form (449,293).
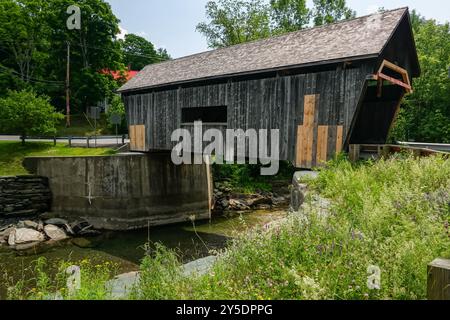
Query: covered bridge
(324,88)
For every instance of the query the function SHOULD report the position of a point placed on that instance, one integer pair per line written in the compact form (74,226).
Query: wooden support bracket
(380,76)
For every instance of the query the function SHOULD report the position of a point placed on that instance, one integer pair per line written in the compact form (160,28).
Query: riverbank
(123,251)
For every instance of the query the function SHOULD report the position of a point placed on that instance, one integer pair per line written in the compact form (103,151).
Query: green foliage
(27,114)
(23,39)
(42,286)
(236,21)
(426,113)
(330,11)
(158,274)
(289,15)
(33,50)
(163,54)
(138,52)
(117,107)
(248,179)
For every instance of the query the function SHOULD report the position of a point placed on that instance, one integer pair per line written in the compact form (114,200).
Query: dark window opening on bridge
(205,114)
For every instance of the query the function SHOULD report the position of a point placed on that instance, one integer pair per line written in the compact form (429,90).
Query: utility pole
(68,86)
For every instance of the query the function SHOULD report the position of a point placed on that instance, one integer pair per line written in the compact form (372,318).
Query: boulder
(5,233)
(256,200)
(68,229)
(199,267)
(235,204)
(54,233)
(79,226)
(28,224)
(27,246)
(23,235)
(279,201)
(83,243)
(56,222)
(225,203)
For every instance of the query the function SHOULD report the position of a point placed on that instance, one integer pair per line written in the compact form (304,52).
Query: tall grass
(42,286)
(392,214)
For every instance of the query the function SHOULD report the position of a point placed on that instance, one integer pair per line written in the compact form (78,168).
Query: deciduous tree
(235,21)
(330,11)
(289,15)
(25,113)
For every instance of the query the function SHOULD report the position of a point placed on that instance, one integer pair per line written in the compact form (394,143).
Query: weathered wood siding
(268,103)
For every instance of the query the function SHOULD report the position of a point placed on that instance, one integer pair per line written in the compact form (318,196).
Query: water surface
(126,249)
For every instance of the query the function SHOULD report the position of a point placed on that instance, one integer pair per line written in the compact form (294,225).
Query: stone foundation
(24,196)
(124,192)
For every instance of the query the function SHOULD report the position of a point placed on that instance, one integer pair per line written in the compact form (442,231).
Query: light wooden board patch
(316,144)
(137,138)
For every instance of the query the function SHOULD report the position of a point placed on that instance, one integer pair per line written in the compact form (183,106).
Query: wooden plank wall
(269,103)
(316,143)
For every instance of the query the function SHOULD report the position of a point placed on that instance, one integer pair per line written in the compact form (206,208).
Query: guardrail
(423,145)
(87,140)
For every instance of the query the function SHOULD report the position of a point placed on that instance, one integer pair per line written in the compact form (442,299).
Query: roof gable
(363,37)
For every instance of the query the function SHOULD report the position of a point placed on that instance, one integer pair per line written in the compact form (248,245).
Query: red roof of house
(117,75)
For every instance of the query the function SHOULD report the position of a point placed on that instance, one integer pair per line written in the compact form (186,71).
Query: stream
(126,249)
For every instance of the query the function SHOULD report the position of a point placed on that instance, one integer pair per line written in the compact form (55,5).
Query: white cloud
(142,34)
(122,33)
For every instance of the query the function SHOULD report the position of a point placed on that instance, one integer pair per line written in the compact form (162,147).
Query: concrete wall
(23,196)
(126,191)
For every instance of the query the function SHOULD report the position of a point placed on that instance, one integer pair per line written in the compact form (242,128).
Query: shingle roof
(361,37)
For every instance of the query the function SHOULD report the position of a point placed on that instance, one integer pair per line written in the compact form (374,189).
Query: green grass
(393,214)
(13,153)
(81,127)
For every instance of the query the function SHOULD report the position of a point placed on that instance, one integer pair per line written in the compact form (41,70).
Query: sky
(170,24)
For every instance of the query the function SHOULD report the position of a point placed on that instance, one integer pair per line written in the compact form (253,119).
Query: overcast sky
(171,23)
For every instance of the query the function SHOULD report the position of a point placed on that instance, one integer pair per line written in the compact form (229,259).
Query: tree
(25,113)
(426,113)
(118,108)
(330,11)
(163,54)
(235,21)
(33,46)
(93,48)
(23,37)
(289,15)
(138,52)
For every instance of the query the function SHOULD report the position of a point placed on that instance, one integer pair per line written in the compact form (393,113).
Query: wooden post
(354,152)
(439,280)
(68,86)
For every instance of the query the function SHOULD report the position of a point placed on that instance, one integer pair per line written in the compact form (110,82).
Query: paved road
(101,141)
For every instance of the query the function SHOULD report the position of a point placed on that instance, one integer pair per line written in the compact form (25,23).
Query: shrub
(25,113)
